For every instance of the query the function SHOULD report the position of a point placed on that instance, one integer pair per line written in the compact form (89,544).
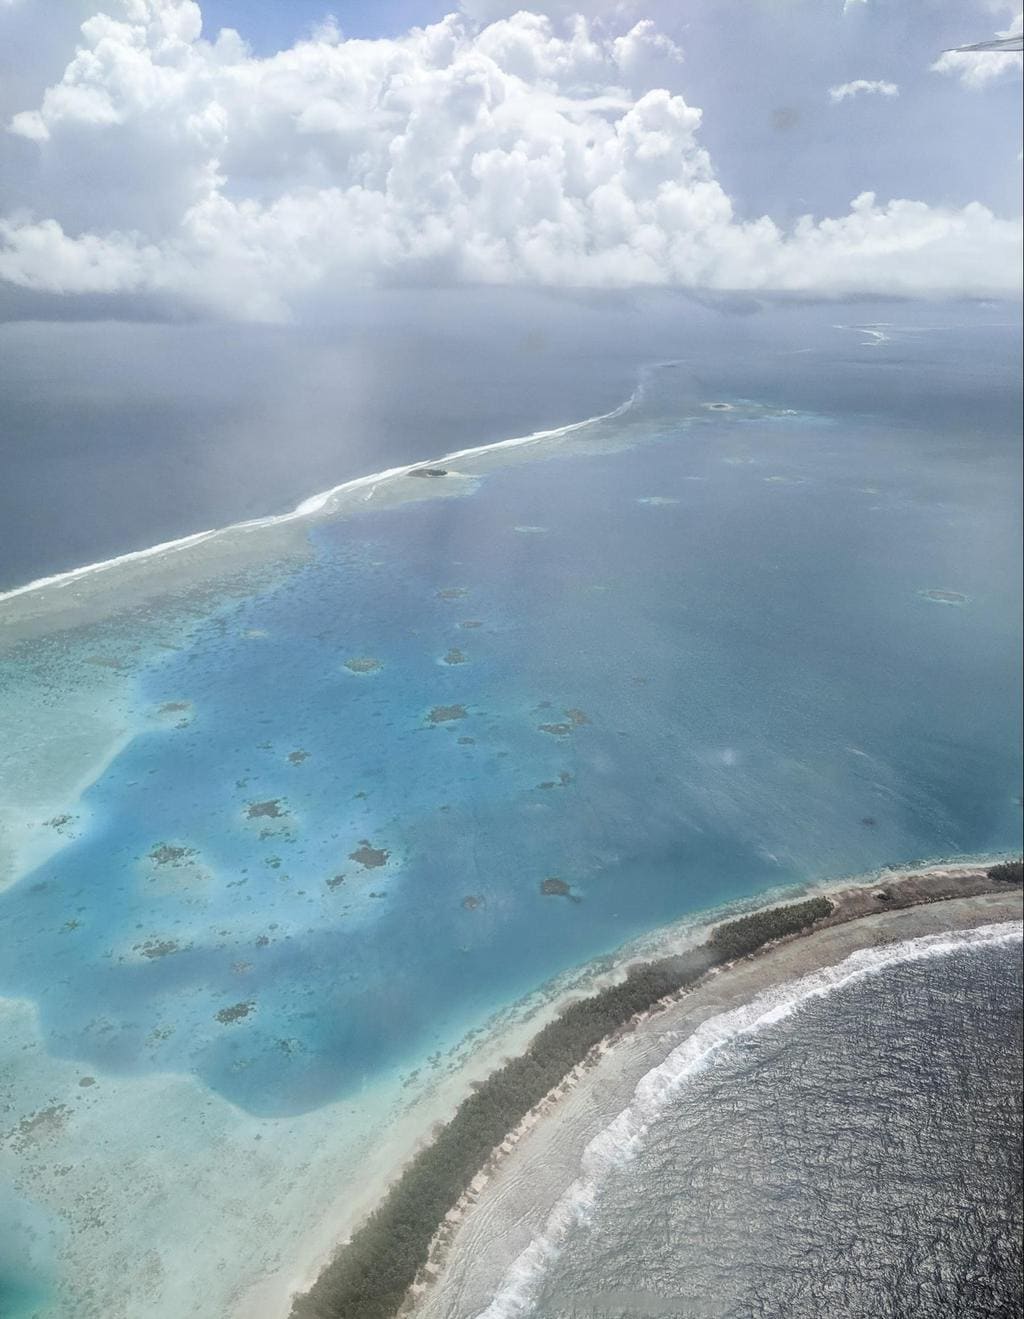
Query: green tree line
(370,1276)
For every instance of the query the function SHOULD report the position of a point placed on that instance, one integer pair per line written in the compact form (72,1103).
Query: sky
(273,25)
(254,160)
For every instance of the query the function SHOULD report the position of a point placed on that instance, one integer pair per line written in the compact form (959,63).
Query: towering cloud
(527,150)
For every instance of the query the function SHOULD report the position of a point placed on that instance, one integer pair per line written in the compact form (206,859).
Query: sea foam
(623,1137)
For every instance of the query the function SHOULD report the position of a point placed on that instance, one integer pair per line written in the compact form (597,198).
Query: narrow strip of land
(397,1250)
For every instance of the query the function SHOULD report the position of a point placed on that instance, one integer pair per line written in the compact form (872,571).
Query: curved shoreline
(506,1033)
(539,1165)
(313,504)
(497,1250)
(338,1291)
(123,587)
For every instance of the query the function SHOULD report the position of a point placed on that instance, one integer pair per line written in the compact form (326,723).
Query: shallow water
(859,1158)
(671,660)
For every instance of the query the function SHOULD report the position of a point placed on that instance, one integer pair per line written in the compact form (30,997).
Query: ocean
(858,1157)
(292,814)
(115,437)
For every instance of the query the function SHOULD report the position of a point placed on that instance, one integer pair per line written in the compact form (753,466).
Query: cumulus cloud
(977,68)
(862,87)
(523,151)
(487,11)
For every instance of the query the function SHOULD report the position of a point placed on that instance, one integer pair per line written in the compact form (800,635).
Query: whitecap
(620,1140)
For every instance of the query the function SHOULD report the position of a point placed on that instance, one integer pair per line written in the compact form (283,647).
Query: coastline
(46,605)
(529,1174)
(928,900)
(814,832)
(85,598)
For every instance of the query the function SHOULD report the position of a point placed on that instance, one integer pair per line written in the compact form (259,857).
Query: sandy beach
(511,1200)
(540,1157)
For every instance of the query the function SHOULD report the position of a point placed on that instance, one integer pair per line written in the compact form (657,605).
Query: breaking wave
(317,503)
(621,1139)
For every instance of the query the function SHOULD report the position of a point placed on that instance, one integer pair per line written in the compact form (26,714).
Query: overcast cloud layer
(528,149)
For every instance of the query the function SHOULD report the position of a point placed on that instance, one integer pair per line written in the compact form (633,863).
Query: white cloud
(487,11)
(41,256)
(977,68)
(529,152)
(863,87)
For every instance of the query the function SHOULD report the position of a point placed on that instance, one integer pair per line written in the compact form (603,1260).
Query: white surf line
(618,1142)
(315,503)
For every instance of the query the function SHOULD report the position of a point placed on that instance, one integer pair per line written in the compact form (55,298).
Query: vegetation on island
(748,933)
(370,1276)
(1010,872)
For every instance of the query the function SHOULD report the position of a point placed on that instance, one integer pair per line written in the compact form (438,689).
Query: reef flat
(283,913)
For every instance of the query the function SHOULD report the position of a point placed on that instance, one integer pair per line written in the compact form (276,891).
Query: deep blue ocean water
(686,657)
(115,437)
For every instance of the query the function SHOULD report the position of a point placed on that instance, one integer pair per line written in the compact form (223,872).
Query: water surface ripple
(859,1158)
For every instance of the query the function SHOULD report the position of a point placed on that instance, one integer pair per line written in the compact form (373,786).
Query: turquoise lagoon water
(674,659)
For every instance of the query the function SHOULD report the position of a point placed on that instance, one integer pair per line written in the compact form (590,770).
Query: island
(371,1275)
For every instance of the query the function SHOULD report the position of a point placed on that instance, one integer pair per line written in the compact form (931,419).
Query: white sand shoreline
(274,1295)
(541,1157)
(309,506)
